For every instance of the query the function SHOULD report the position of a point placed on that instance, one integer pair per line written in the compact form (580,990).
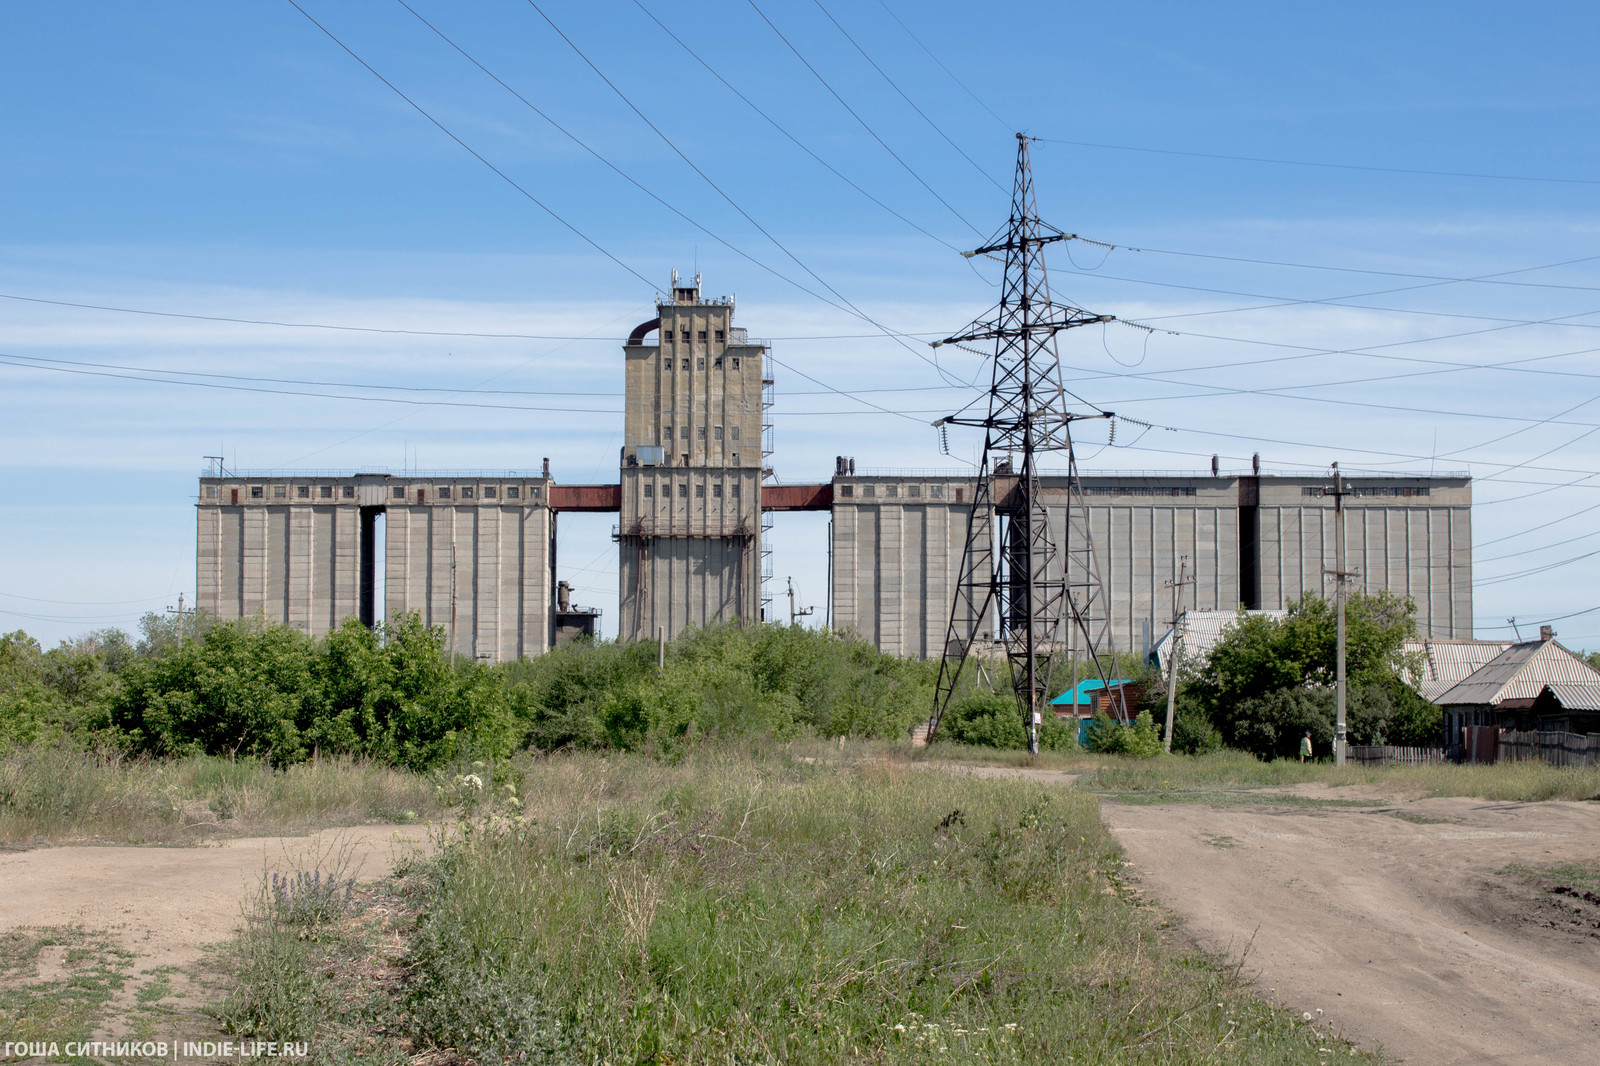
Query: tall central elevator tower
(689,536)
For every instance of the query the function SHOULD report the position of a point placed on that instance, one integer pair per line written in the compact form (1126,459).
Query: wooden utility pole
(1178,617)
(1338,492)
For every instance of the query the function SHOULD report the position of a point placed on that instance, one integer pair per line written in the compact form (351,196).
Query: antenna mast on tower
(1027,589)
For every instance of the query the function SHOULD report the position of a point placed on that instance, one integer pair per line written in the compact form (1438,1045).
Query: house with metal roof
(1504,691)
(1199,632)
(1564,707)
(1433,667)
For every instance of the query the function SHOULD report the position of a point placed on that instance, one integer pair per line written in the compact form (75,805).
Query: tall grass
(1524,781)
(758,907)
(51,793)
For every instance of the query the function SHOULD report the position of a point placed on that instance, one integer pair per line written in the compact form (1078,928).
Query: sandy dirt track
(1397,927)
(166,904)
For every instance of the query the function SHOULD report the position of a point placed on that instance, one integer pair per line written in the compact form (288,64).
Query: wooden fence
(1558,749)
(1384,753)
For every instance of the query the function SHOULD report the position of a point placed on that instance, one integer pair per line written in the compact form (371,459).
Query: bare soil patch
(166,906)
(1401,925)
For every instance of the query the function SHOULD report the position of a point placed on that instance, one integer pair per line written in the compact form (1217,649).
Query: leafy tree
(1268,679)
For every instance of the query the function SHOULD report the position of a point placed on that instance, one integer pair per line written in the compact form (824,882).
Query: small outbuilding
(1504,691)
(1566,708)
(1085,699)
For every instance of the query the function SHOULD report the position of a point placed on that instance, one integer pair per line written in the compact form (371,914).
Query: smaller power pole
(1338,492)
(1178,617)
(452,603)
(180,612)
(661,649)
(793,613)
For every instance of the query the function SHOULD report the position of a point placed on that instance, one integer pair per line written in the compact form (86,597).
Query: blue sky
(232,161)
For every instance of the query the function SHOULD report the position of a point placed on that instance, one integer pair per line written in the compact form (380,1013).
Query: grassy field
(52,794)
(1174,776)
(790,905)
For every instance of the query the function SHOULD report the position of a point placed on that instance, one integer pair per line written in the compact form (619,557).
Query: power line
(1008,127)
(722,193)
(1329,166)
(1543,621)
(864,125)
(1488,279)
(873,63)
(109,370)
(628,177)
(1328,301)
(781,129)
(1540,548)
(446,131)
(408,332)
(84,603)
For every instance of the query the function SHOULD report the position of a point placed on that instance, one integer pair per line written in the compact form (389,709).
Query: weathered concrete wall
(288,548)
(688,549)
(897,549)
(1412,536)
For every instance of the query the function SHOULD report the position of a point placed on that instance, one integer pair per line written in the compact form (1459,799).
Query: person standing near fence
(1305,746)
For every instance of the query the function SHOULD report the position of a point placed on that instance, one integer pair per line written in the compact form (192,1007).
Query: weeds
(55,793)
(1220,771)
(745,905)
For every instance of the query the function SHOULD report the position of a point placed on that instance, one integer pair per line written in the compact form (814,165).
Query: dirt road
(1393,921)
(165,905)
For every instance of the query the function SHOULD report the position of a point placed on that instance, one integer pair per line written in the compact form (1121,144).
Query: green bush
(245,688)
(985,720)
(1140,738)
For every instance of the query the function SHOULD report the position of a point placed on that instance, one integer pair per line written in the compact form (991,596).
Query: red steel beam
(797,497)
(586,497)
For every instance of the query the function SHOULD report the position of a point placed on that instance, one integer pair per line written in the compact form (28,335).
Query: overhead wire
(668,141)
(1328,166)
(633,181)
(407,332)
(1489,279)
(111,370)
(1333,301)
(775,124)
(468,148)
(912,103)
(1008,127)
(863,122)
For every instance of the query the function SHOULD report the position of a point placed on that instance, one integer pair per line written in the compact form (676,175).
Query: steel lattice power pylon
(1027,589)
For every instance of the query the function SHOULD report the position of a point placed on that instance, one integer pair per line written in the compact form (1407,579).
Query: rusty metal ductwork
(636,338)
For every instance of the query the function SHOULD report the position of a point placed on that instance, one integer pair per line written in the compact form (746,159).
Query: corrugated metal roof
(1201,632)
(1520,673)
(1575,696)
(1082,691)
(1446,663)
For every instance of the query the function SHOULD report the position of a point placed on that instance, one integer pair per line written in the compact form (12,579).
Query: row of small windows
(700,335)
(700,433)
(893,491)
(699,491)
(1374,490)
(667,361)
(348,492)
(490,492)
